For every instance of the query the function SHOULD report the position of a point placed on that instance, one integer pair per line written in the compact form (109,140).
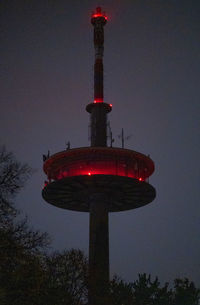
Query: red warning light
(45,184)
(140,179)
(110,105)
(98,101)
(89,174)
(99,13)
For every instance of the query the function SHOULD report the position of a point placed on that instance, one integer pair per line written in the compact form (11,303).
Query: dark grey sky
(152,72)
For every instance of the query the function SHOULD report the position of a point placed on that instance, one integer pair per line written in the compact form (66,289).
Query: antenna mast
(98,108)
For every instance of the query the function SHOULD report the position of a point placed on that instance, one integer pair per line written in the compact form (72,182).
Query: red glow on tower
(98,101)
(99,13)
(45,184)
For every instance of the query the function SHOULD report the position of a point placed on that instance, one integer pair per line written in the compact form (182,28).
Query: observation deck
(121,174)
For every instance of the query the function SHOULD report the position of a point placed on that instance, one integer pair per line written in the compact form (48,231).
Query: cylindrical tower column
(98,121)
(99,239)
(98,251)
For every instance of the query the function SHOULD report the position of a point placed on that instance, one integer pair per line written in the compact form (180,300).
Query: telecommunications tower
(98,179)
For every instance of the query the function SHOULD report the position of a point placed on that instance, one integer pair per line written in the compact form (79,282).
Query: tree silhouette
(145,291)
(185,293)
(13,176)
(67,275)
(20,265)
(121,292)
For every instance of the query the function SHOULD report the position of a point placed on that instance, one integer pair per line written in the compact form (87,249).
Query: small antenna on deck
(67,145)
(46,157)
(121,136)
(112,140)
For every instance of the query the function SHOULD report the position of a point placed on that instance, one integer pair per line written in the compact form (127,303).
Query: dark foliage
(185,293)
(20,247)
(145,291)
(66,275)
(13,176)
(121,292)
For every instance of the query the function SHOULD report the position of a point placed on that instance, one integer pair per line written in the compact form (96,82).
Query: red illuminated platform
(121,174)
(98,161)
(122,193)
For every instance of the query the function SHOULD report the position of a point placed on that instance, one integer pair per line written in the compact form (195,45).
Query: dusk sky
(152,78)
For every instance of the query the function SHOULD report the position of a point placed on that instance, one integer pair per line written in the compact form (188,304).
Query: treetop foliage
(145,291)
(13,174)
